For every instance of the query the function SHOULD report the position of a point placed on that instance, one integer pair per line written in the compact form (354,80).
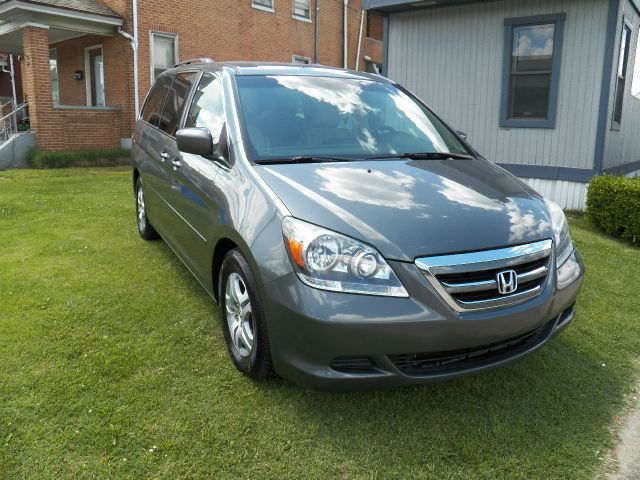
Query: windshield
(291,116)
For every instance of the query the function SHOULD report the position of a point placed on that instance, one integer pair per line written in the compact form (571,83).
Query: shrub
(78,158)
(613,204)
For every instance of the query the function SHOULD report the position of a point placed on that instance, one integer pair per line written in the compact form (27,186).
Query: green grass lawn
(112,365)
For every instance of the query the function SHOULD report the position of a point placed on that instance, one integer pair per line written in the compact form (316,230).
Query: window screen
(302,8)
(163,49)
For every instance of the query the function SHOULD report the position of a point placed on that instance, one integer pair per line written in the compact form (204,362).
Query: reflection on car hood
(408,209)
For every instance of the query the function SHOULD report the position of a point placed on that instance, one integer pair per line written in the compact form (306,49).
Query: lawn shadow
(537,412)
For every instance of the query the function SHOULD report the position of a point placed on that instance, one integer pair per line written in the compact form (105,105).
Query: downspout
(315,34)
(345,29)
(133,40)
(359,41)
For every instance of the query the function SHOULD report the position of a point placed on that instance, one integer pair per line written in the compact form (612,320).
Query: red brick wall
(5,79)
(234,30)
(60,128)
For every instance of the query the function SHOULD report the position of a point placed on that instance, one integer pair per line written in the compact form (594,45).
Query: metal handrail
(9,123)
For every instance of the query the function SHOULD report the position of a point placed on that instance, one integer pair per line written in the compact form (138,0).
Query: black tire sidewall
(149,232)
(257,364)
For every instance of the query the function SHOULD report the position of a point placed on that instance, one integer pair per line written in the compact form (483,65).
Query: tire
(145,229)
(242,318)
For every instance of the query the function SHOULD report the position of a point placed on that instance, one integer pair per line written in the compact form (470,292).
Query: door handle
(176,163)
(164,156)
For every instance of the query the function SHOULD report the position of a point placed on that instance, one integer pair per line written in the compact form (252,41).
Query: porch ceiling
(62,23)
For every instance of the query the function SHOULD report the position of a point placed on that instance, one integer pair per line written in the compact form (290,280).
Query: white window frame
(152,35)
(300,17)
(635,74)
(87,75)
(307,60)
(264,8)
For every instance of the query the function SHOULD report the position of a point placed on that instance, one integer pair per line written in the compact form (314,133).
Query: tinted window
(175,102)
(155,100)
(206,109)
(287,116)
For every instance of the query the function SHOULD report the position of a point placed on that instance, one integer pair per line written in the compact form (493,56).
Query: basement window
(531,71)
(300,60)
(621,76)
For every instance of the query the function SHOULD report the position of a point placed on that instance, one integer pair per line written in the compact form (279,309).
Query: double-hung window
(302,9)
(164,53)
(621,77)
(531,71)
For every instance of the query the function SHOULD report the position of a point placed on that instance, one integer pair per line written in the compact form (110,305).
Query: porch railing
(16,121)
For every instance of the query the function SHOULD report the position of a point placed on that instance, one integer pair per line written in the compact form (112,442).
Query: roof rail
(193,61)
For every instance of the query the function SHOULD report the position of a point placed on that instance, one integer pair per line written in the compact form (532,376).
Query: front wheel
(144,227)
(242,318)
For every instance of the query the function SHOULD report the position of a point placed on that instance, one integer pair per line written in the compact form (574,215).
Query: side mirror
(197,141)
(461,134)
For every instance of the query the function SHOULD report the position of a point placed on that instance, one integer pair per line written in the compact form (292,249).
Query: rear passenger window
(155,100)
(206,109)
(175,102)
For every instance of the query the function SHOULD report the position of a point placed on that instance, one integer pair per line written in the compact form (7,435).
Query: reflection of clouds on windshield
(368,142)
(375,188)
(524,224)
(417,117)
(343,95)
(458,193)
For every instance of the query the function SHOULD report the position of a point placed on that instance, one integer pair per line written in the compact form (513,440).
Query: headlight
(331,261)
(562,236)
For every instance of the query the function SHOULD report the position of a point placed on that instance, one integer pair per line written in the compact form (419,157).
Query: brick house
(75,62)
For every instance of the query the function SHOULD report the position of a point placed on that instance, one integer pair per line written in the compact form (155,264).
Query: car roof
(243,68)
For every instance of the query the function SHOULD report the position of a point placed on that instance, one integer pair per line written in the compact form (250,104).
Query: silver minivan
(350,237)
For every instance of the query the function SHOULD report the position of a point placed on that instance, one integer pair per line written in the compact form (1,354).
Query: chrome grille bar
(467,281)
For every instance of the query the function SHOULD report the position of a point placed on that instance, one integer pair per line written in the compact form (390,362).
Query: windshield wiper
(305,159)
(426,156)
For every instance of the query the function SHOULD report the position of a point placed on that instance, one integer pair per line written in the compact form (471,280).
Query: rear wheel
(242,318)
(145,229)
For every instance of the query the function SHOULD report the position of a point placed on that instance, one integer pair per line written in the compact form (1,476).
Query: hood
(407,209)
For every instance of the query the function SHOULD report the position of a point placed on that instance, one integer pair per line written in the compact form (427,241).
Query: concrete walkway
(628,451)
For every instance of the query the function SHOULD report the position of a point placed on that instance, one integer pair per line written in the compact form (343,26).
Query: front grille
(468,281)
(442,362)
(354,364)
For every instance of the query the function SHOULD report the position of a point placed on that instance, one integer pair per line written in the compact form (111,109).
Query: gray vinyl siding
(452,59)
(623,146)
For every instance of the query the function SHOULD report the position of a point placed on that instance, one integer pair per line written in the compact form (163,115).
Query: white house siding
(623,146)
(452,59)
(569,195)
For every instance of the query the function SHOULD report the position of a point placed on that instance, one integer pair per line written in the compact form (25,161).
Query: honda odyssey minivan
(350,237)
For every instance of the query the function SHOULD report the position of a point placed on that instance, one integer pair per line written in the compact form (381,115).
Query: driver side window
(207,110)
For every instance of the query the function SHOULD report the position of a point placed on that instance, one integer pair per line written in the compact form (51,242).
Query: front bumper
(337,341)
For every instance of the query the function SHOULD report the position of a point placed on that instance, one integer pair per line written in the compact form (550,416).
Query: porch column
(36,83)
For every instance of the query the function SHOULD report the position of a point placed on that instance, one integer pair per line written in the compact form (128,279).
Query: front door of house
(94,66)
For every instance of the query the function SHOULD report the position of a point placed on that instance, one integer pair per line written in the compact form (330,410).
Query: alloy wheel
(239,314)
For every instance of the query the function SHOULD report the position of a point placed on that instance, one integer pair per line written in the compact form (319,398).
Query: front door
(194,179)
(94,67)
